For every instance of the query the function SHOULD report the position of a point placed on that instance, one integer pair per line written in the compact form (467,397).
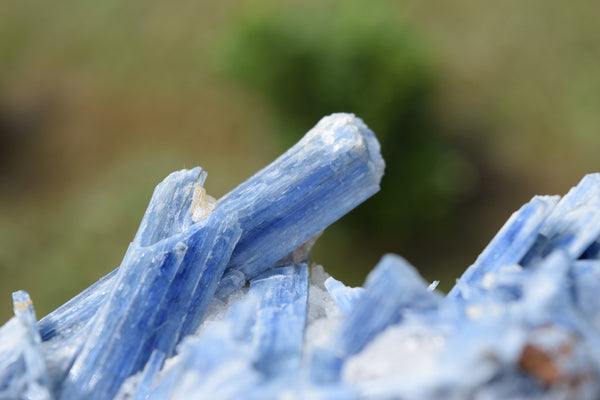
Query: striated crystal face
(217,299)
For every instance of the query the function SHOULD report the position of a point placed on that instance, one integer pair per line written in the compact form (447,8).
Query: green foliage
(354,57)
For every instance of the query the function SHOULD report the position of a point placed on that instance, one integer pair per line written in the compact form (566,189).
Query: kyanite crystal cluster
(219,300)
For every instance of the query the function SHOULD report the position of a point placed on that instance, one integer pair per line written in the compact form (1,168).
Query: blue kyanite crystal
(215,300)
(573,225)
(585,275)
(280,319)
(175,259)
(395,290)
(170,211)
(159,295)
(345,297)
(266,327)
(23,371)
(510,244)
(332,169)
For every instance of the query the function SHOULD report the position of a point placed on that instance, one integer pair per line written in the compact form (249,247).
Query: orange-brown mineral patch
(544,365)
(539,364)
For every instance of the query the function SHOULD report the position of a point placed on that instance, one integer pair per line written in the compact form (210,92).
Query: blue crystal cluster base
(217,299)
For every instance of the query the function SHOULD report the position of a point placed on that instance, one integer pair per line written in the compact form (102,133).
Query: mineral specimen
(217,299)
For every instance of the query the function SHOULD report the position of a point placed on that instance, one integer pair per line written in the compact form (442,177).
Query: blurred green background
(478,106)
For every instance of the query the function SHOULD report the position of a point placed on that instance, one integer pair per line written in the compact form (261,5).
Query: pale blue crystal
(510,244)
(344,296)
(394,289)
(148,375)
(573,225)
(218,361)
(280,319)
(23,372)
(66,321)
(586,281)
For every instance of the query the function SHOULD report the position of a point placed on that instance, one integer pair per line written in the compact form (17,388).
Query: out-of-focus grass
(123,93)
(530,71)
(123,96)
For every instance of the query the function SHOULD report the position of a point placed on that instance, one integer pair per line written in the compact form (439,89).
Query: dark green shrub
(312,61)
